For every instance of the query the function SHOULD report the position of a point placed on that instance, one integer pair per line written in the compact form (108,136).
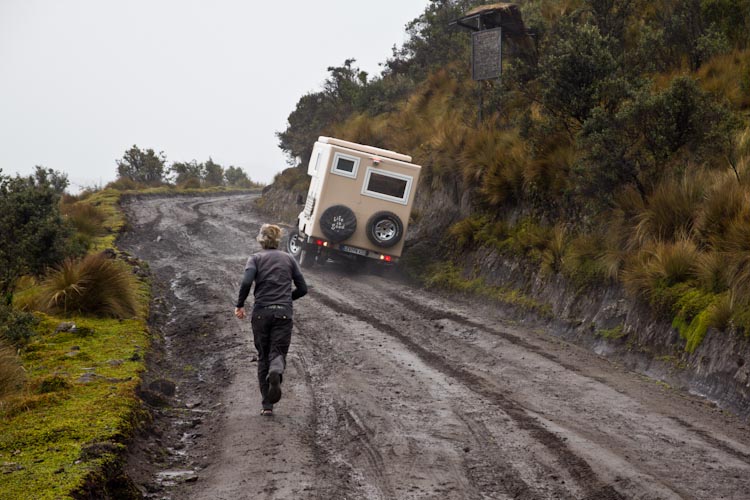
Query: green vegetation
(32,232)
(95,285)
(139,170)
(614,149)
(67,398)
(447,276)
(615,333)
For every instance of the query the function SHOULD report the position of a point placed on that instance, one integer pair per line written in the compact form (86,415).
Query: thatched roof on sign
(496,15)
(503,6)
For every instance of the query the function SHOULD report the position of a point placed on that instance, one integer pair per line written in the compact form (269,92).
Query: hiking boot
(274,388)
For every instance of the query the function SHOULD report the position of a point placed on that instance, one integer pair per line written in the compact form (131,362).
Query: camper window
(387,185)
(345,165)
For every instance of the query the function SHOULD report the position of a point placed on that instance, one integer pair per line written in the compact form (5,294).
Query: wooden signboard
(486,54)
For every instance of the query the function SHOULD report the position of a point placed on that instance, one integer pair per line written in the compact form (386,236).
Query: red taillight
(386,258)
(321,243)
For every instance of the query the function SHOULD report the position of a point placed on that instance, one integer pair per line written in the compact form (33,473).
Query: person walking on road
(273,272)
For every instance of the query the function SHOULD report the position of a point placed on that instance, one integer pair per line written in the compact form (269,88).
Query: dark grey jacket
(273,272)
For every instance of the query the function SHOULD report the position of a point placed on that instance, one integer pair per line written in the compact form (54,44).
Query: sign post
(489,24)
(487,54)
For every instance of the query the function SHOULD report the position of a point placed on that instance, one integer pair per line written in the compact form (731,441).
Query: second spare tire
(338,223)
(385,229)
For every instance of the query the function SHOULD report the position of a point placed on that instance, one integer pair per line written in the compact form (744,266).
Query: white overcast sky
(83,80)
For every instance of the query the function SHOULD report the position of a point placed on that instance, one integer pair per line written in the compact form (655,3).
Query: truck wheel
(385,229)
(306,259)
(338,223)
(293,244)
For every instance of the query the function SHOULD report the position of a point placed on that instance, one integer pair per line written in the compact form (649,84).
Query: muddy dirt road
(393,392)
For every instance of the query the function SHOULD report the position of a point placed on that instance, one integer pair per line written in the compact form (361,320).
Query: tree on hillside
(33,235)
(431,42)
(213,173)
(342,94)
(146,167)
(185,171)
(577,72)
(235,176)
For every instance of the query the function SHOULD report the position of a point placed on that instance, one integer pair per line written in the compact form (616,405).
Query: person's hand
(239,312)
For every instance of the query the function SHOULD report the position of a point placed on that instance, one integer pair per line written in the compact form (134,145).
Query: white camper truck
(358,204)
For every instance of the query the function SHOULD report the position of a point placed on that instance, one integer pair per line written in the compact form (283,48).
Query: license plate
(357,251)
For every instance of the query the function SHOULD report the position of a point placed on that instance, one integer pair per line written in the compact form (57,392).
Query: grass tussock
(660,266)
(670,211)
(86,218)
(554,254)
(93,285)
(728,75)
(12,375)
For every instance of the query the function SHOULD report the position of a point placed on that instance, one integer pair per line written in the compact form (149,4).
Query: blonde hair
(269,236)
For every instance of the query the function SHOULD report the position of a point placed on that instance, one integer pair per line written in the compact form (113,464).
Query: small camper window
(345,165)
(387,185)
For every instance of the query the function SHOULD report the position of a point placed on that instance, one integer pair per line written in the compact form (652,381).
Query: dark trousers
(272,333)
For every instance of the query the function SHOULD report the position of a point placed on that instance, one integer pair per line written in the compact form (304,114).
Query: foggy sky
(83,80)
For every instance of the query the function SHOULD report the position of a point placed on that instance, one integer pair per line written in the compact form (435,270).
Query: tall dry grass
(728,76)
(93,285)
(12,375)
(670,212)
(86,218)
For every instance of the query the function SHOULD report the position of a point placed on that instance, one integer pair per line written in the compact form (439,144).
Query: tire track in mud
(577,467)
(436,315)
(498,472)
(328,415)
(713,441)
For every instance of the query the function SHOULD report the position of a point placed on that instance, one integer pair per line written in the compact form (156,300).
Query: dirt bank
(395,392)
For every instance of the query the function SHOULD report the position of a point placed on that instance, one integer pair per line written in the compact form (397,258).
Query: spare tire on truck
(338,223)
(385,229)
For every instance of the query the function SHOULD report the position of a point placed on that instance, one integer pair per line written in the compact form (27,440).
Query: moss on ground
(81,393)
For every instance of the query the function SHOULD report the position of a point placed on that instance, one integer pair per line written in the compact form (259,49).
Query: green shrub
(528,239)
(464,234)
(292,179)
(16,327)
(12,376)
(584,262)
(52,383)
(93,285)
